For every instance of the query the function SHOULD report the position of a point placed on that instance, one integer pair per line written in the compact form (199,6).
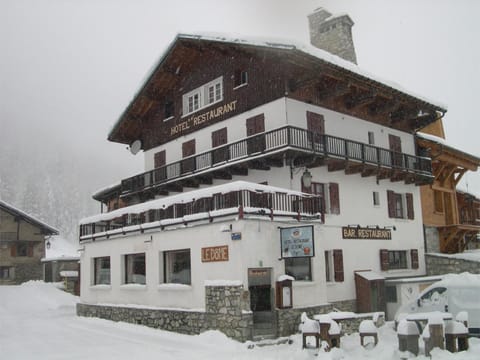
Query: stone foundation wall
(439,265)
(224,312)
(345,305)
(28,271)
(289,319)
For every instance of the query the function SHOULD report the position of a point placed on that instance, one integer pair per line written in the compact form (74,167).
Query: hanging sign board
(297,242)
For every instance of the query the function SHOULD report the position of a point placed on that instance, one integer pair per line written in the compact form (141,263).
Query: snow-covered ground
(38,321)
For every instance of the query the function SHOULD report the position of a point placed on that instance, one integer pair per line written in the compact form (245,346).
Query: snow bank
(407,328)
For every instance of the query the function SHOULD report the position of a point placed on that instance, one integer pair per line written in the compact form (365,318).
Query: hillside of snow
(38,321)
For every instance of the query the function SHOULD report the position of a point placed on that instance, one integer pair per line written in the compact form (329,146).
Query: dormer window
(203,96)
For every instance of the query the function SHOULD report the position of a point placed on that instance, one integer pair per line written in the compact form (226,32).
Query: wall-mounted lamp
(307,178)
(48,244)
(354,226)
(226,228)
(390,227)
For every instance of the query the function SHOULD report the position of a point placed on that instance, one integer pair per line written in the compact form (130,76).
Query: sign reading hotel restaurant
(297,242)
(196,120)
(215,253)
(366,233)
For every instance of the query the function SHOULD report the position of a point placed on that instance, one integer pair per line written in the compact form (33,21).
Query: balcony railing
(242,203)
(322,145)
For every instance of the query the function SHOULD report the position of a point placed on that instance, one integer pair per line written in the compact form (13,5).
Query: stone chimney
(332,33)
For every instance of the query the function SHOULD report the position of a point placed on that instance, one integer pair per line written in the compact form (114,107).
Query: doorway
(261,301)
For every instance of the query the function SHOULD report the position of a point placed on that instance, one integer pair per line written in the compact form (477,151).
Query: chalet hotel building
(279,178)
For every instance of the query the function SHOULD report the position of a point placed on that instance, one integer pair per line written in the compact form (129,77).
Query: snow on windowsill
(133,287)
(223,283)
(174,287)
(101,287)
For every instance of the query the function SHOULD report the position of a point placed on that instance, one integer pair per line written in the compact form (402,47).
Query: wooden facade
(22,245)
(443,207)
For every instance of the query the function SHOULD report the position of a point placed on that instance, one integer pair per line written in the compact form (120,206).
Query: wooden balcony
(252,200)
(262,151)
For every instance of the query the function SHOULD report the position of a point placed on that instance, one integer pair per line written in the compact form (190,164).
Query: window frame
(168,266)
(288,268)
(96,269)
(376,198)
(128,277)
(397,260)
(200,98)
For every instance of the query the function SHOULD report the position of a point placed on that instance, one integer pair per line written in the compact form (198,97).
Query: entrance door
(261,299)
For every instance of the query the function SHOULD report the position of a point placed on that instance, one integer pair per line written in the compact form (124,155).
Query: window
(5,273)
(177,267)
(397,260)
(397,203)
(371,138)
(135,269)
(169,110)
(376,198)
(299,268)
(329,266)
(22,249)
(203,96)
(438,201)
(102,270)
(329,196)
(391,294)
(240,78)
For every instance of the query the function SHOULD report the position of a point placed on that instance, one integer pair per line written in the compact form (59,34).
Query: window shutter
(219,137)
(410,214)
(334,198)
(315,123)
(414,257)
(391,203)
(384,259)
(255,124)
(159,159)
(338,265)
(30,250)
(13,250)
(188,148)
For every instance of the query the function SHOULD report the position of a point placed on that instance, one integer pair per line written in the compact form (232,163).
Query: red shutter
(391,203)
(159,159)
(30,250)
(338,265)
(410,214)
(334,198)
(384,259)
(414,257)
(13,250)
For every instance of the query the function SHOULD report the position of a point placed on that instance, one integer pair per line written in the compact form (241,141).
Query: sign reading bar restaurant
(297,242)
(215,253)
(366,233)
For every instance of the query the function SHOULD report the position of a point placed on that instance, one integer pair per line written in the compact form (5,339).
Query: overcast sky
(68,68)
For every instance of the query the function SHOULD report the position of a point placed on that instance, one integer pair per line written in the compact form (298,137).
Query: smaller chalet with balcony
(22,245)
(265,161)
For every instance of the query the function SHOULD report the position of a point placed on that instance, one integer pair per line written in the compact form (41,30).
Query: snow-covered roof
(471,255)
(106,189)
(29,218)
(277,43)
(320,54)
(370,275)
(188,197)
(443,142)
(60,249)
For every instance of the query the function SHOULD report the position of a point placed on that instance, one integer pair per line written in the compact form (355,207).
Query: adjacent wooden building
(22,245)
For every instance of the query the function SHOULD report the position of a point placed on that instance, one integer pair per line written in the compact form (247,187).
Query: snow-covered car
(454,294)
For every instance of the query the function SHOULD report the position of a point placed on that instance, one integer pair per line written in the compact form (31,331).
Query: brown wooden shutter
(315,123)
(391,203)
(188,148)
(384,259)
(13,250)
(414,257)
(255,124)
(159,159)
(30,250)
(338,265)
(410,214)
(219,137)
(334,198)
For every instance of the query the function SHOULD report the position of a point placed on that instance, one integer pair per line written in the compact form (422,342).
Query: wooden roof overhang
(452,237)
(331,85)
(45,229)
(448,162)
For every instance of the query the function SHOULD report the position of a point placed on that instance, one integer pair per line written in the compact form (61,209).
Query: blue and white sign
(297,242)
